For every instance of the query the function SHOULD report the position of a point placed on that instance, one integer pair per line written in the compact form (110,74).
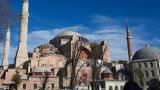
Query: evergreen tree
(140,75)
(16,78)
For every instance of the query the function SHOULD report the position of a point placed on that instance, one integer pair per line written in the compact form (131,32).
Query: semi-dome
(40,69)
(68,33)
(146,53)
(107,70)
(24,77)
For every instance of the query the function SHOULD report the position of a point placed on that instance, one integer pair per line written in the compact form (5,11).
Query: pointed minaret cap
(127,30)
(129,43)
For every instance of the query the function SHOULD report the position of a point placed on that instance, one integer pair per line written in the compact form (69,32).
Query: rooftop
(146,53)
(68,33)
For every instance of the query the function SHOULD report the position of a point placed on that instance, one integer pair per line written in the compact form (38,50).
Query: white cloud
(113,33)
(1,51)
(12,53)
(36,38)
(115,37)
(112,30)
(155,41)
(106,29)
(103,19)
(116,40)
(39,37)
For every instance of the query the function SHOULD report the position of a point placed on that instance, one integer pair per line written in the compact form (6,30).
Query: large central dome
(68,33)
(146,53)
(67,36)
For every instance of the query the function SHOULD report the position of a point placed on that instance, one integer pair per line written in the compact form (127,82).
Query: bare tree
(7,13)
(95,55)
(77,48)
(44,80)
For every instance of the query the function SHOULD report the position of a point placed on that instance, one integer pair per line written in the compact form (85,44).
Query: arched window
(52,70)
(151,64)
(139,65)
(145,65)
(152,73)
(24,86)
(52,86)
(110,88)
(35,86)
(116,87)
(121,88)
(146,73)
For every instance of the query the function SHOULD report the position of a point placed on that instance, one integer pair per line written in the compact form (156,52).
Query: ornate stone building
(145,65)
(51,64)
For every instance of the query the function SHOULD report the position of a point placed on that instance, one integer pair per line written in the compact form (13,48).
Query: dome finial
(147,45)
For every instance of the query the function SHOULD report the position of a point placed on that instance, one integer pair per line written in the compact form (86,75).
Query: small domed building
(123,74)
(107,74)
(145,65)
(108,82)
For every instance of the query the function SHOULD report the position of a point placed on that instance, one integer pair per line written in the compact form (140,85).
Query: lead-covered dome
(68,33)
(147,53)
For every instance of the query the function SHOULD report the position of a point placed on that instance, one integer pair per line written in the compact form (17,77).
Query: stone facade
(6,75)
(145,66)
(114,84)
(108,82)
(54,59)
(53,63)
(50,65)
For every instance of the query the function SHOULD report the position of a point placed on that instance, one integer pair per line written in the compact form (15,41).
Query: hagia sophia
(67,58)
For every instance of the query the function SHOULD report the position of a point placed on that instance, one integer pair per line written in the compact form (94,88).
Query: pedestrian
(130,85)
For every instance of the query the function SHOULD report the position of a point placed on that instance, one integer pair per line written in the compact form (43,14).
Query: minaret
(22,54)
(129,44)
(105,55)
(6,48)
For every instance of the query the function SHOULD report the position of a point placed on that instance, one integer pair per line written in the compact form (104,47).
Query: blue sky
(97,20)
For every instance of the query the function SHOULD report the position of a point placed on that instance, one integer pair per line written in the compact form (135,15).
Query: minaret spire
(129,43)
(22,53)
(6,47)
